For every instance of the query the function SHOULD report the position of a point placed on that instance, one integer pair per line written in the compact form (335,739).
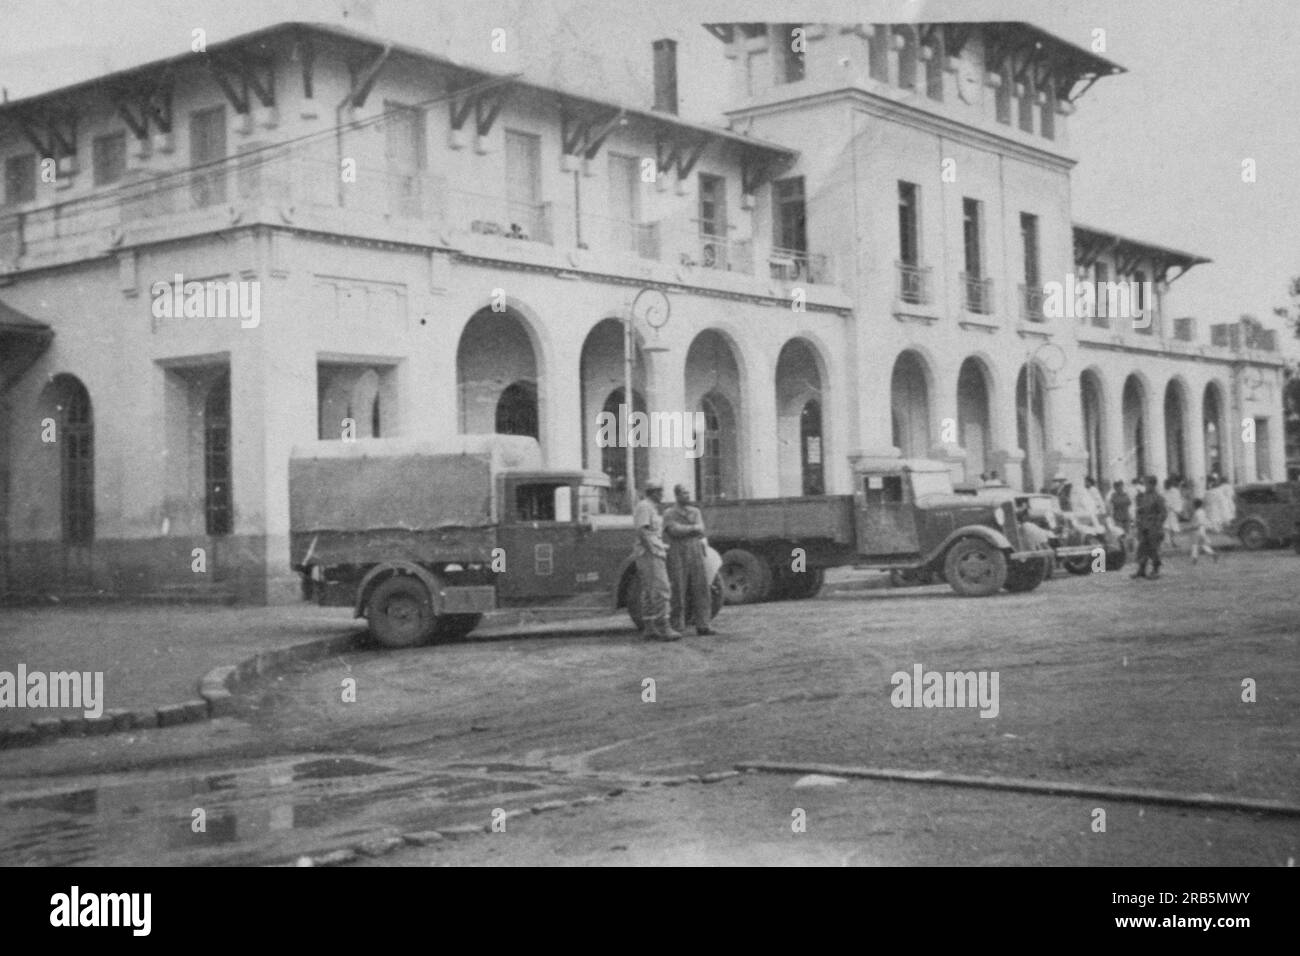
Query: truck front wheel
(746,578)
(975,568)
(400,612)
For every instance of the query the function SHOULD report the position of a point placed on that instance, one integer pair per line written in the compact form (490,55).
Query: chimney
(666,75)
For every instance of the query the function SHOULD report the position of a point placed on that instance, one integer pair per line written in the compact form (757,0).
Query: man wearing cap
(684,526)
(1151,515)
(651,565)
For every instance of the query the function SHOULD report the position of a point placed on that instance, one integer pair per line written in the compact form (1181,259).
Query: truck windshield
(593,500)
(542,502)
(931,483)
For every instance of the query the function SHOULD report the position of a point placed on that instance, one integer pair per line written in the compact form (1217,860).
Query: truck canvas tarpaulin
(419,497)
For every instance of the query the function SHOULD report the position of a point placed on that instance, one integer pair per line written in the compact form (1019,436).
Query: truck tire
(1024,576)
(975,568)
(1253,535)
(400,612)
(450,627)
(801,585)
(746,578)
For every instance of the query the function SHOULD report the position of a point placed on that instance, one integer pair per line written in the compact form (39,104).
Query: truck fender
(991,535)
(388,568)
(712,565)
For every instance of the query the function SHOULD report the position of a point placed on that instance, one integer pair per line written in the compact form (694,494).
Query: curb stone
(217,689)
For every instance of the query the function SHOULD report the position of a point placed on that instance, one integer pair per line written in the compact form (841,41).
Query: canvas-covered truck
(423,538)
(903,517)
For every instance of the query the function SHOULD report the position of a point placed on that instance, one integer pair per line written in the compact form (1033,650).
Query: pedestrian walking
(651,565)
(1200,528)
(1173,497)
(1097,503)
(1151,514)
(684,529)
(1121,512)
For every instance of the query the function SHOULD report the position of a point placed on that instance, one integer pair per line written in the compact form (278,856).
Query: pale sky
(1210,83)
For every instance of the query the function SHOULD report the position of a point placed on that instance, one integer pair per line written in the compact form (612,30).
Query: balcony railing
(640,239)
(979,294)
(913,283)
(798,265)
(1031,303)
(721,253)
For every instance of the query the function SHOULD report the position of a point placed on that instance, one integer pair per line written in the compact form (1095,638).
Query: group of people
(1157,515)
(674,580)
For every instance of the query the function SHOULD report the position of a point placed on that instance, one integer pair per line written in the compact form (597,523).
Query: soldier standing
(684,526)
(651,556)
(1151,515)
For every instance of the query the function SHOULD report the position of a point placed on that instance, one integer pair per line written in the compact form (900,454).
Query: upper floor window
(972,235)
(909,238)
(1029,240)
(207,147)
(108,156)
(789,216)
(790,50)
(20,179)
(713,205)
(1026,106)
(1003,98)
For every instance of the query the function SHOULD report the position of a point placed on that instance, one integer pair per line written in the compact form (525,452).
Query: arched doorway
(496,376)
(516,412)
(713,387)
(800,447)
(1175,425)
(602,379)
(715,474)
(1213,424)
(910,406)
(66,401)
(1032,430)
(613,458)
(974,426)
(1094,427)
(1135,427)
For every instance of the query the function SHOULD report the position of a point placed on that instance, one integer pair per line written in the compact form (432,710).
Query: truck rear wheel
(800,585)
(400,612)
(449,627)
(975,568)
(1024,576)
(746,578)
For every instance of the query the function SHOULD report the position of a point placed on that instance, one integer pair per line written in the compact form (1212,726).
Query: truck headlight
(1000,516)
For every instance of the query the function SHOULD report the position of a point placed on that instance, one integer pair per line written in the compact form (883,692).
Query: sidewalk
(151,655)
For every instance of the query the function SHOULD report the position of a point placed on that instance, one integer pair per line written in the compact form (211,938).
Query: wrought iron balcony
(796,265)
(1031,303)
(640,239)
(721,253)
(913,283)
(978,294)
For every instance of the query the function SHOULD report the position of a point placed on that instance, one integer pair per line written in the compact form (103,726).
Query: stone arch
(1033,424)
(496,360)
(1135,411)
(69,468)
(715,386)
(1092,402)
(910,387)
(1176,407)
(975,415)
(800,415)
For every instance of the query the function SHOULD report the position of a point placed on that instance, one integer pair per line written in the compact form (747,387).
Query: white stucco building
(854,263)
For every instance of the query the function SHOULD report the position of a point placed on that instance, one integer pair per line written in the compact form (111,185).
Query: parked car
(1074,536)
(1268,513)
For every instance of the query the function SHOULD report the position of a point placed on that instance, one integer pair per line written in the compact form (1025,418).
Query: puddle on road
(248,815)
